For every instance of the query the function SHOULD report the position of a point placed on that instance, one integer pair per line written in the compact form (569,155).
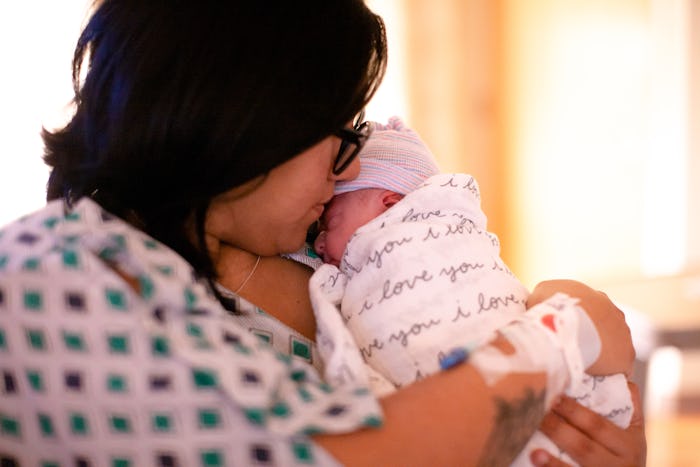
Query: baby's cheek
(339,243)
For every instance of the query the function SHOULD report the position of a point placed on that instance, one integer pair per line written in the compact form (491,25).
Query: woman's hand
(617,352)
(591,439)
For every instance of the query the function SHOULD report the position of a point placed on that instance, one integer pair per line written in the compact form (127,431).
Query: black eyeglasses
(352,140)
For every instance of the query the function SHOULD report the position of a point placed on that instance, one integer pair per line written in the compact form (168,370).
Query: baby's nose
(320,243)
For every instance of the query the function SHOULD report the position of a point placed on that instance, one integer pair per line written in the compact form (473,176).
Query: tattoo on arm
(514,424)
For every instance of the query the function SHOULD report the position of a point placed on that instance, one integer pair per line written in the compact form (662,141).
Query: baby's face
(343,215)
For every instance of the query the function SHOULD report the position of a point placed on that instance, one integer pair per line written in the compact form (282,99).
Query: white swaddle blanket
(419,280)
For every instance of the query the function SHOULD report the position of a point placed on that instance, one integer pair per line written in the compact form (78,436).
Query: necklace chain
(250,274)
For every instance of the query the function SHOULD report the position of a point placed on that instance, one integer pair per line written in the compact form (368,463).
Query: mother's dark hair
(185,99)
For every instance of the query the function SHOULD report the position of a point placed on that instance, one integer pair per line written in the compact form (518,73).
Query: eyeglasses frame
(357,135)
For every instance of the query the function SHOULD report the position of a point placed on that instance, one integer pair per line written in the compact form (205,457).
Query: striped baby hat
(393,158)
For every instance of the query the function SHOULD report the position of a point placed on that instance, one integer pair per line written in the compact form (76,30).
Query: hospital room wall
(575,117)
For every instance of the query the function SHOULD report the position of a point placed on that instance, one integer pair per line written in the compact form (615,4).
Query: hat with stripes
(393,158)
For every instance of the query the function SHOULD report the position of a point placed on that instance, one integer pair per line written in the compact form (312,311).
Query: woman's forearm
(451,418)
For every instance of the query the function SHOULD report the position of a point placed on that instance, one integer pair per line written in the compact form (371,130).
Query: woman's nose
(320,243)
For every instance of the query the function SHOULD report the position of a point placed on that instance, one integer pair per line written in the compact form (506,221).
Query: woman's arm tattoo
(514,424)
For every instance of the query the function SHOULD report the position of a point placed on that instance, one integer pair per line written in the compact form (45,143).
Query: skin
(591,439)
(344,214)
(255,219)
(271,224)
(266,223)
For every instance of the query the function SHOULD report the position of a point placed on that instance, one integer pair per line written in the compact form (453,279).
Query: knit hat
(393,158)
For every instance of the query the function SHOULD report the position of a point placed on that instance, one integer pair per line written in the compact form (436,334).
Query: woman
(207,138)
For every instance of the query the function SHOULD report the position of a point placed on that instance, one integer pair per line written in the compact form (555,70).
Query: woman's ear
(390,198)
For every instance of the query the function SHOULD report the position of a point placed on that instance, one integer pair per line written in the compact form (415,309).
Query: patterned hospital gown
(96,373)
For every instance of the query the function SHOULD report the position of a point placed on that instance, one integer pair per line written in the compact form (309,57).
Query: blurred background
(579,118)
